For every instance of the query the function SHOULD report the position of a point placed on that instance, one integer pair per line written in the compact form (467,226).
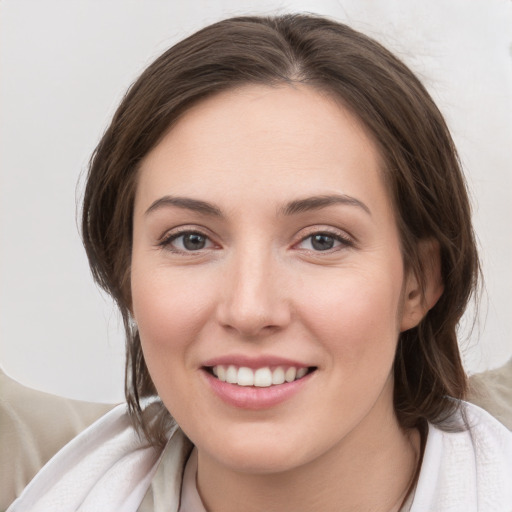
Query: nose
(254,300)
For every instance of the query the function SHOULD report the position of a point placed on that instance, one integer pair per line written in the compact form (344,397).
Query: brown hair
(421,167)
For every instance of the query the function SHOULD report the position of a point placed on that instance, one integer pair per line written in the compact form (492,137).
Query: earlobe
(421,295)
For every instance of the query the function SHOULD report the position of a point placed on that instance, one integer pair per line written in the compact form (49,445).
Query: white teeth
(221,373)
(261,377)
(245,376)
(290,374)
(232,374)
(278,376)
(301,372)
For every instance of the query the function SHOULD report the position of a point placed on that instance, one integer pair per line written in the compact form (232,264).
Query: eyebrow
(292,208)
(319,202)
(186,203)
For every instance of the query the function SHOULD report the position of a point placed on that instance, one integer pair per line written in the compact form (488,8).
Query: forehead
(276,141)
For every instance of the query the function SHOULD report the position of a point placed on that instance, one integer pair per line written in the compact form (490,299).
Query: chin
(259,450)
(258,459)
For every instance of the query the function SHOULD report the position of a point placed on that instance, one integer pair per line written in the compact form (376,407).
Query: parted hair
(421,169)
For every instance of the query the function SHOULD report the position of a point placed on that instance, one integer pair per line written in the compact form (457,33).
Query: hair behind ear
(428,368)
(424,286)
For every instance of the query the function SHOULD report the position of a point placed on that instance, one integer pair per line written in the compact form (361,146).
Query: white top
(108,467)
(469,471)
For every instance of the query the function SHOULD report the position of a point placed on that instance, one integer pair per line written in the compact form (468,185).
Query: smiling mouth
(259,377)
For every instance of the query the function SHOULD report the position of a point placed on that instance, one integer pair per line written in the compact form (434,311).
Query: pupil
(193,241)
(322,242)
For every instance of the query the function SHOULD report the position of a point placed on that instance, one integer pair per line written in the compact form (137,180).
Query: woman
(278,210)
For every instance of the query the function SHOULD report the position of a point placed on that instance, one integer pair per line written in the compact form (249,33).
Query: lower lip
(254,398)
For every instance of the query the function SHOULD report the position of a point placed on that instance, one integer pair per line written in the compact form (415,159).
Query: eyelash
(344,240)
(166,242)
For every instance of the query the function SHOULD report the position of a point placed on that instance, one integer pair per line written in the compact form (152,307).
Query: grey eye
(194,241)
(188,241)
(322,242)
(318,242)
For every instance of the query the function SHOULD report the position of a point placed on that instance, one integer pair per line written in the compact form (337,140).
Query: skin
(259,287)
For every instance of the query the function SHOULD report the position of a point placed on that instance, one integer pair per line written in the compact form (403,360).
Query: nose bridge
(253,300)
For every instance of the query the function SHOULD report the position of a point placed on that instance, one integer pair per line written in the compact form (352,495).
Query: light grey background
(64,66)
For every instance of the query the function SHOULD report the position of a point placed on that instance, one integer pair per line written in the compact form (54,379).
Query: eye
(323,242)
(187,241)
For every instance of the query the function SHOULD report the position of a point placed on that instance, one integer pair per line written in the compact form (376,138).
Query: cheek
(170,310)
(356,315)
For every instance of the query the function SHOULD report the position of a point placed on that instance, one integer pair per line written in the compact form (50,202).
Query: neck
(371,469)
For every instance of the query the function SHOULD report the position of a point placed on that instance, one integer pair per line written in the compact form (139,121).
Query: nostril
(251,328)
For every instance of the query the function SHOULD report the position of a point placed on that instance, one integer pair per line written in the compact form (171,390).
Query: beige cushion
(492,391)
(33,427)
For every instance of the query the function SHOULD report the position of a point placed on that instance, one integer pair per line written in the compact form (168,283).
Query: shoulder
(467,470)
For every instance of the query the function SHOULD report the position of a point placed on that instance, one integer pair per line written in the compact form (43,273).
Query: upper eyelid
(343,240)
(182,230)
(174,236)
(328,230)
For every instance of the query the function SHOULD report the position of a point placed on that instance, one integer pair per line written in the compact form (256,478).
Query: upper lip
(253,362)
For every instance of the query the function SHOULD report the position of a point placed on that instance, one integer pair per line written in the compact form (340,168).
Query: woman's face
(265,247)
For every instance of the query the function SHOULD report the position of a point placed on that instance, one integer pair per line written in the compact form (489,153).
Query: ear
(418,299)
